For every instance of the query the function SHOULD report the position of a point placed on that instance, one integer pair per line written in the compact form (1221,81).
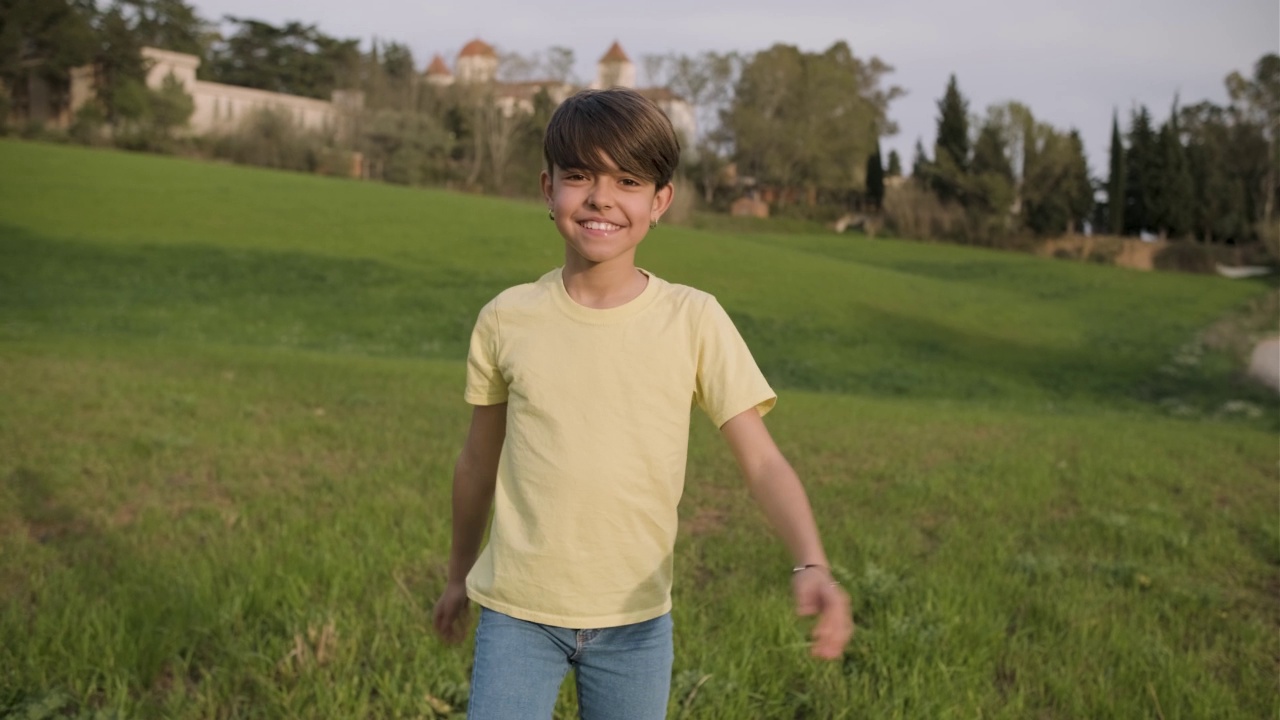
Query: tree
(875,180)
(1142,163)
(1116,182)
(951,149)
(991,189)
(1257,102)
(1057,191)
(1175,187)
(121,72)
(1219,193)
(296,59)
(988,186)
(1079,185)
(805,120)
(920,164)
(42,40)
(895,165)
(167,24)
(706,81)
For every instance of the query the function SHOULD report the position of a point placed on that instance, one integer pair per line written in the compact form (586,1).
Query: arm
(777,490)
(474,477)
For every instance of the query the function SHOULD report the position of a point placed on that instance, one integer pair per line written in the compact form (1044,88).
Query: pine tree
(875,180)
(1116,183)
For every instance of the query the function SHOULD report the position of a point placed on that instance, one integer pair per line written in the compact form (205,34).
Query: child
(582,384)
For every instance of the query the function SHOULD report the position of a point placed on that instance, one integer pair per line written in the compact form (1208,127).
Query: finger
(834,627)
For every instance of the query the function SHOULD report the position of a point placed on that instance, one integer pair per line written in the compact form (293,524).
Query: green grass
(232,400)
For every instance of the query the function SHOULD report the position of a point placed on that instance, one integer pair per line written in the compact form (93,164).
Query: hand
(818,594)
(452,613)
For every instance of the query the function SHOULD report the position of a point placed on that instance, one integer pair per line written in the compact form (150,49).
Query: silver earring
(653,224)
(551,215)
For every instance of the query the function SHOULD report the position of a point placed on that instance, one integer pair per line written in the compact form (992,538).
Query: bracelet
(802,568)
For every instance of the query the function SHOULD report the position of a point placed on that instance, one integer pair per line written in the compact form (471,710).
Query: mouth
(599,225)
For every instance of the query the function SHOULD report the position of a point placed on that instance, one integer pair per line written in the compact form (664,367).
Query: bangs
(589,129)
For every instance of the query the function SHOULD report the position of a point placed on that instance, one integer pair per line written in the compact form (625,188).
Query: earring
(653,224)
(551,215)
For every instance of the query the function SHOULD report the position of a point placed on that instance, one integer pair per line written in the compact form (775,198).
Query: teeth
(593,225)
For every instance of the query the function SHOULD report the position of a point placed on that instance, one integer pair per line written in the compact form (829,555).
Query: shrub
(915,212)
(266,138)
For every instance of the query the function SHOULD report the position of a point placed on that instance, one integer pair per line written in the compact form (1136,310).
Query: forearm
(472,499)
(777,490)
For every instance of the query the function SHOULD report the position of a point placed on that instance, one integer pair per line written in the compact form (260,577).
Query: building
(219,107)
(477,63)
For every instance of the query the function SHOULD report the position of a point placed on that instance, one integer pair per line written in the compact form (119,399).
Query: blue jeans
(622,673)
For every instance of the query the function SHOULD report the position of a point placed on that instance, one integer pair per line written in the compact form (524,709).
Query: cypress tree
(953,126)
(895,165)
(920,164)
(875,180)
(1142,162)
(1179,190)
(1116,183)
(951,150)
(1079,187)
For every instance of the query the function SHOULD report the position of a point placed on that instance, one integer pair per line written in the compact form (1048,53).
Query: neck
(602,285)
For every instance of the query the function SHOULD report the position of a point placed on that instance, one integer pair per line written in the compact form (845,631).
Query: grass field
(230,401)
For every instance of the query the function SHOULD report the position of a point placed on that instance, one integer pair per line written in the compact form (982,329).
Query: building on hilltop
(477,64)
(219,107)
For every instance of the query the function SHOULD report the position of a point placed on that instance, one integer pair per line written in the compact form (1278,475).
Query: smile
(598,225)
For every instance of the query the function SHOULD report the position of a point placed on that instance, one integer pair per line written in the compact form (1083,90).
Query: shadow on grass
(90,567)
(255,297)
(894,355)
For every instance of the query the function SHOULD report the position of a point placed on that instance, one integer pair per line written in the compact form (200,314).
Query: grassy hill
(232,399)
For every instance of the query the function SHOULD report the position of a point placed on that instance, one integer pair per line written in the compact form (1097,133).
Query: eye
(631,182)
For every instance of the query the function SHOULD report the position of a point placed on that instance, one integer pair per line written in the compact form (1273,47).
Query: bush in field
(407,148)
(267,138)
(89,125)
(913,211)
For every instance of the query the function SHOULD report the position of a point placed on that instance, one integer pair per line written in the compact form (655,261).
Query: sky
(1073,62)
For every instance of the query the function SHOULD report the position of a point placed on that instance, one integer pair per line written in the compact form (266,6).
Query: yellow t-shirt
(584,520)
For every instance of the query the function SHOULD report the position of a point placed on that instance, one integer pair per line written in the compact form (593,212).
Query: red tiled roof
(477,47)
(615,54)
(437,66)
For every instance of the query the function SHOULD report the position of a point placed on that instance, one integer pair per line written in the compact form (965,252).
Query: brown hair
(617,124)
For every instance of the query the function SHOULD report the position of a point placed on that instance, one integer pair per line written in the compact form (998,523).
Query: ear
(662,199)
(545,181)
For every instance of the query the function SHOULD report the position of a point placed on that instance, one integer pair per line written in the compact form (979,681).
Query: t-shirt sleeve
(486,384)
(729,381)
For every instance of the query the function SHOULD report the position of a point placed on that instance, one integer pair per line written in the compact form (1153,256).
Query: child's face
(602,216)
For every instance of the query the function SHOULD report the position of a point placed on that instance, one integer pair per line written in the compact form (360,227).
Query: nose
(601,196)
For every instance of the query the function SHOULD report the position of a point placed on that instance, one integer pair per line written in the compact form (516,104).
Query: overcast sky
(1071,61)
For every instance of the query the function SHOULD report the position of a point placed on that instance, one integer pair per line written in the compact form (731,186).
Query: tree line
(799,129)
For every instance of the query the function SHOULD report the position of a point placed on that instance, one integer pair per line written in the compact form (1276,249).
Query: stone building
(220,107)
